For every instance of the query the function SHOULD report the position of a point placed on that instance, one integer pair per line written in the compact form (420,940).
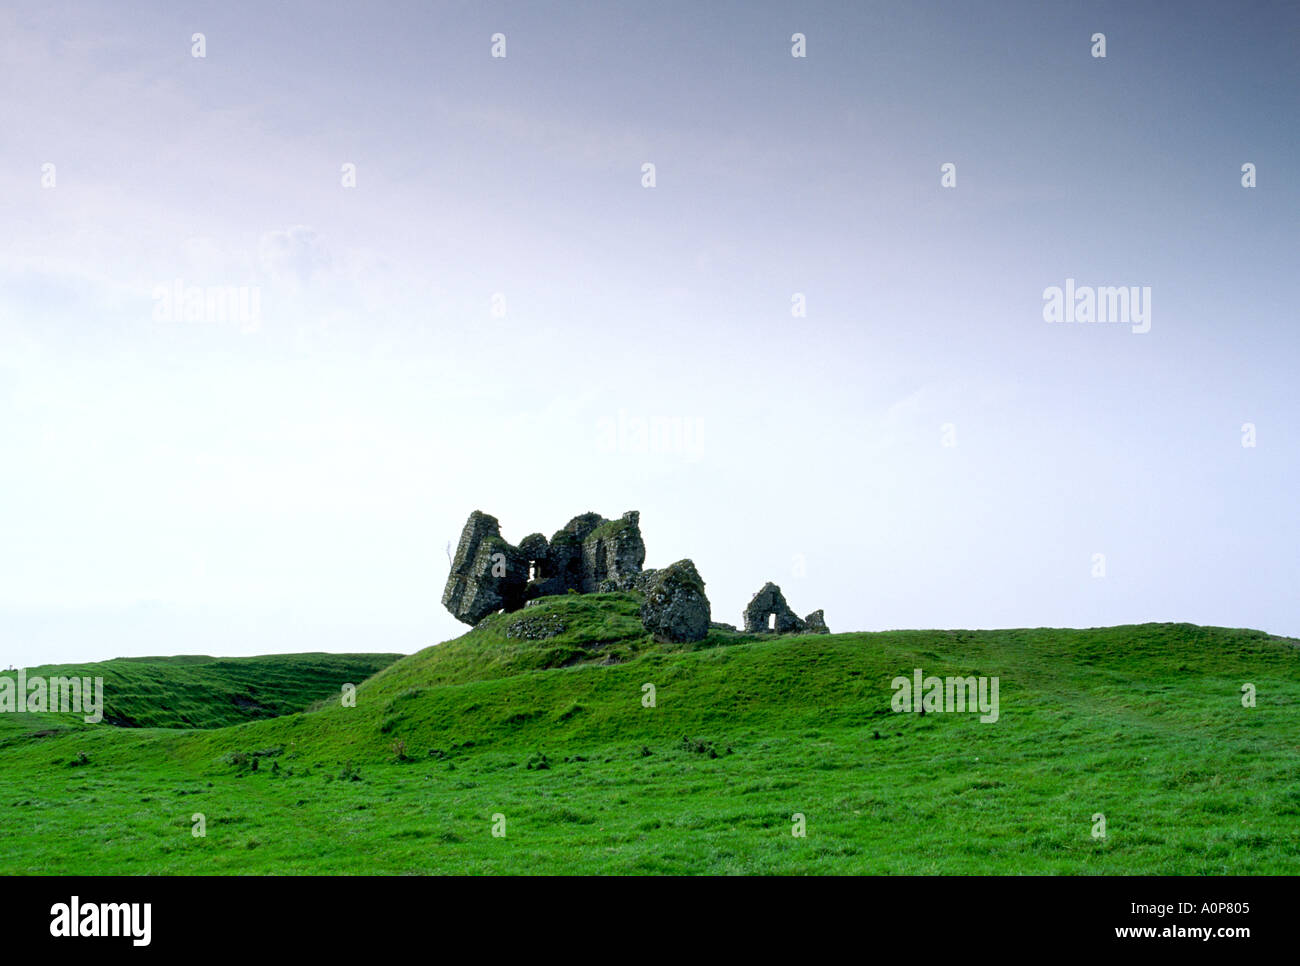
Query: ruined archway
(768,613)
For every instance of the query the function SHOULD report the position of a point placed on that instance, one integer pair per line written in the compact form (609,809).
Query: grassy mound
(194,691)
(546,730)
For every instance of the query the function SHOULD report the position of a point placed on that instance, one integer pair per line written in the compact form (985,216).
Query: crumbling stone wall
(769,602)
(487,573)
(588,554)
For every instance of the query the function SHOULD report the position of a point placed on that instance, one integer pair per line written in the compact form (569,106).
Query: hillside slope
(195,691)
(552,739)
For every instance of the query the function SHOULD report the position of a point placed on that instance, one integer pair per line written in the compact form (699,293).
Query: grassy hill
(537,719)
(194,691)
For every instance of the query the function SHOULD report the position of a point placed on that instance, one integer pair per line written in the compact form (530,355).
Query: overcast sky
(920,449)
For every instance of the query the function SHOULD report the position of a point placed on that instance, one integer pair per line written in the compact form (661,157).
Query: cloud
(294,257)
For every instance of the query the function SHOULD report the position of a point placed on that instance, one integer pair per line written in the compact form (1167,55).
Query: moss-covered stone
(675,606)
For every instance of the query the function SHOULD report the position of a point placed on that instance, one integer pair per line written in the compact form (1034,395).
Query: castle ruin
(591,554)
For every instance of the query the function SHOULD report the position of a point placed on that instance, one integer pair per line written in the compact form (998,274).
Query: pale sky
(205,486)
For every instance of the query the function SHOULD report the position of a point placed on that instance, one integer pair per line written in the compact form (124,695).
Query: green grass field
(195,691)
(1143,724)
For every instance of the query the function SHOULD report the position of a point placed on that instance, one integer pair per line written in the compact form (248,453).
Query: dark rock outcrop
(675,607)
